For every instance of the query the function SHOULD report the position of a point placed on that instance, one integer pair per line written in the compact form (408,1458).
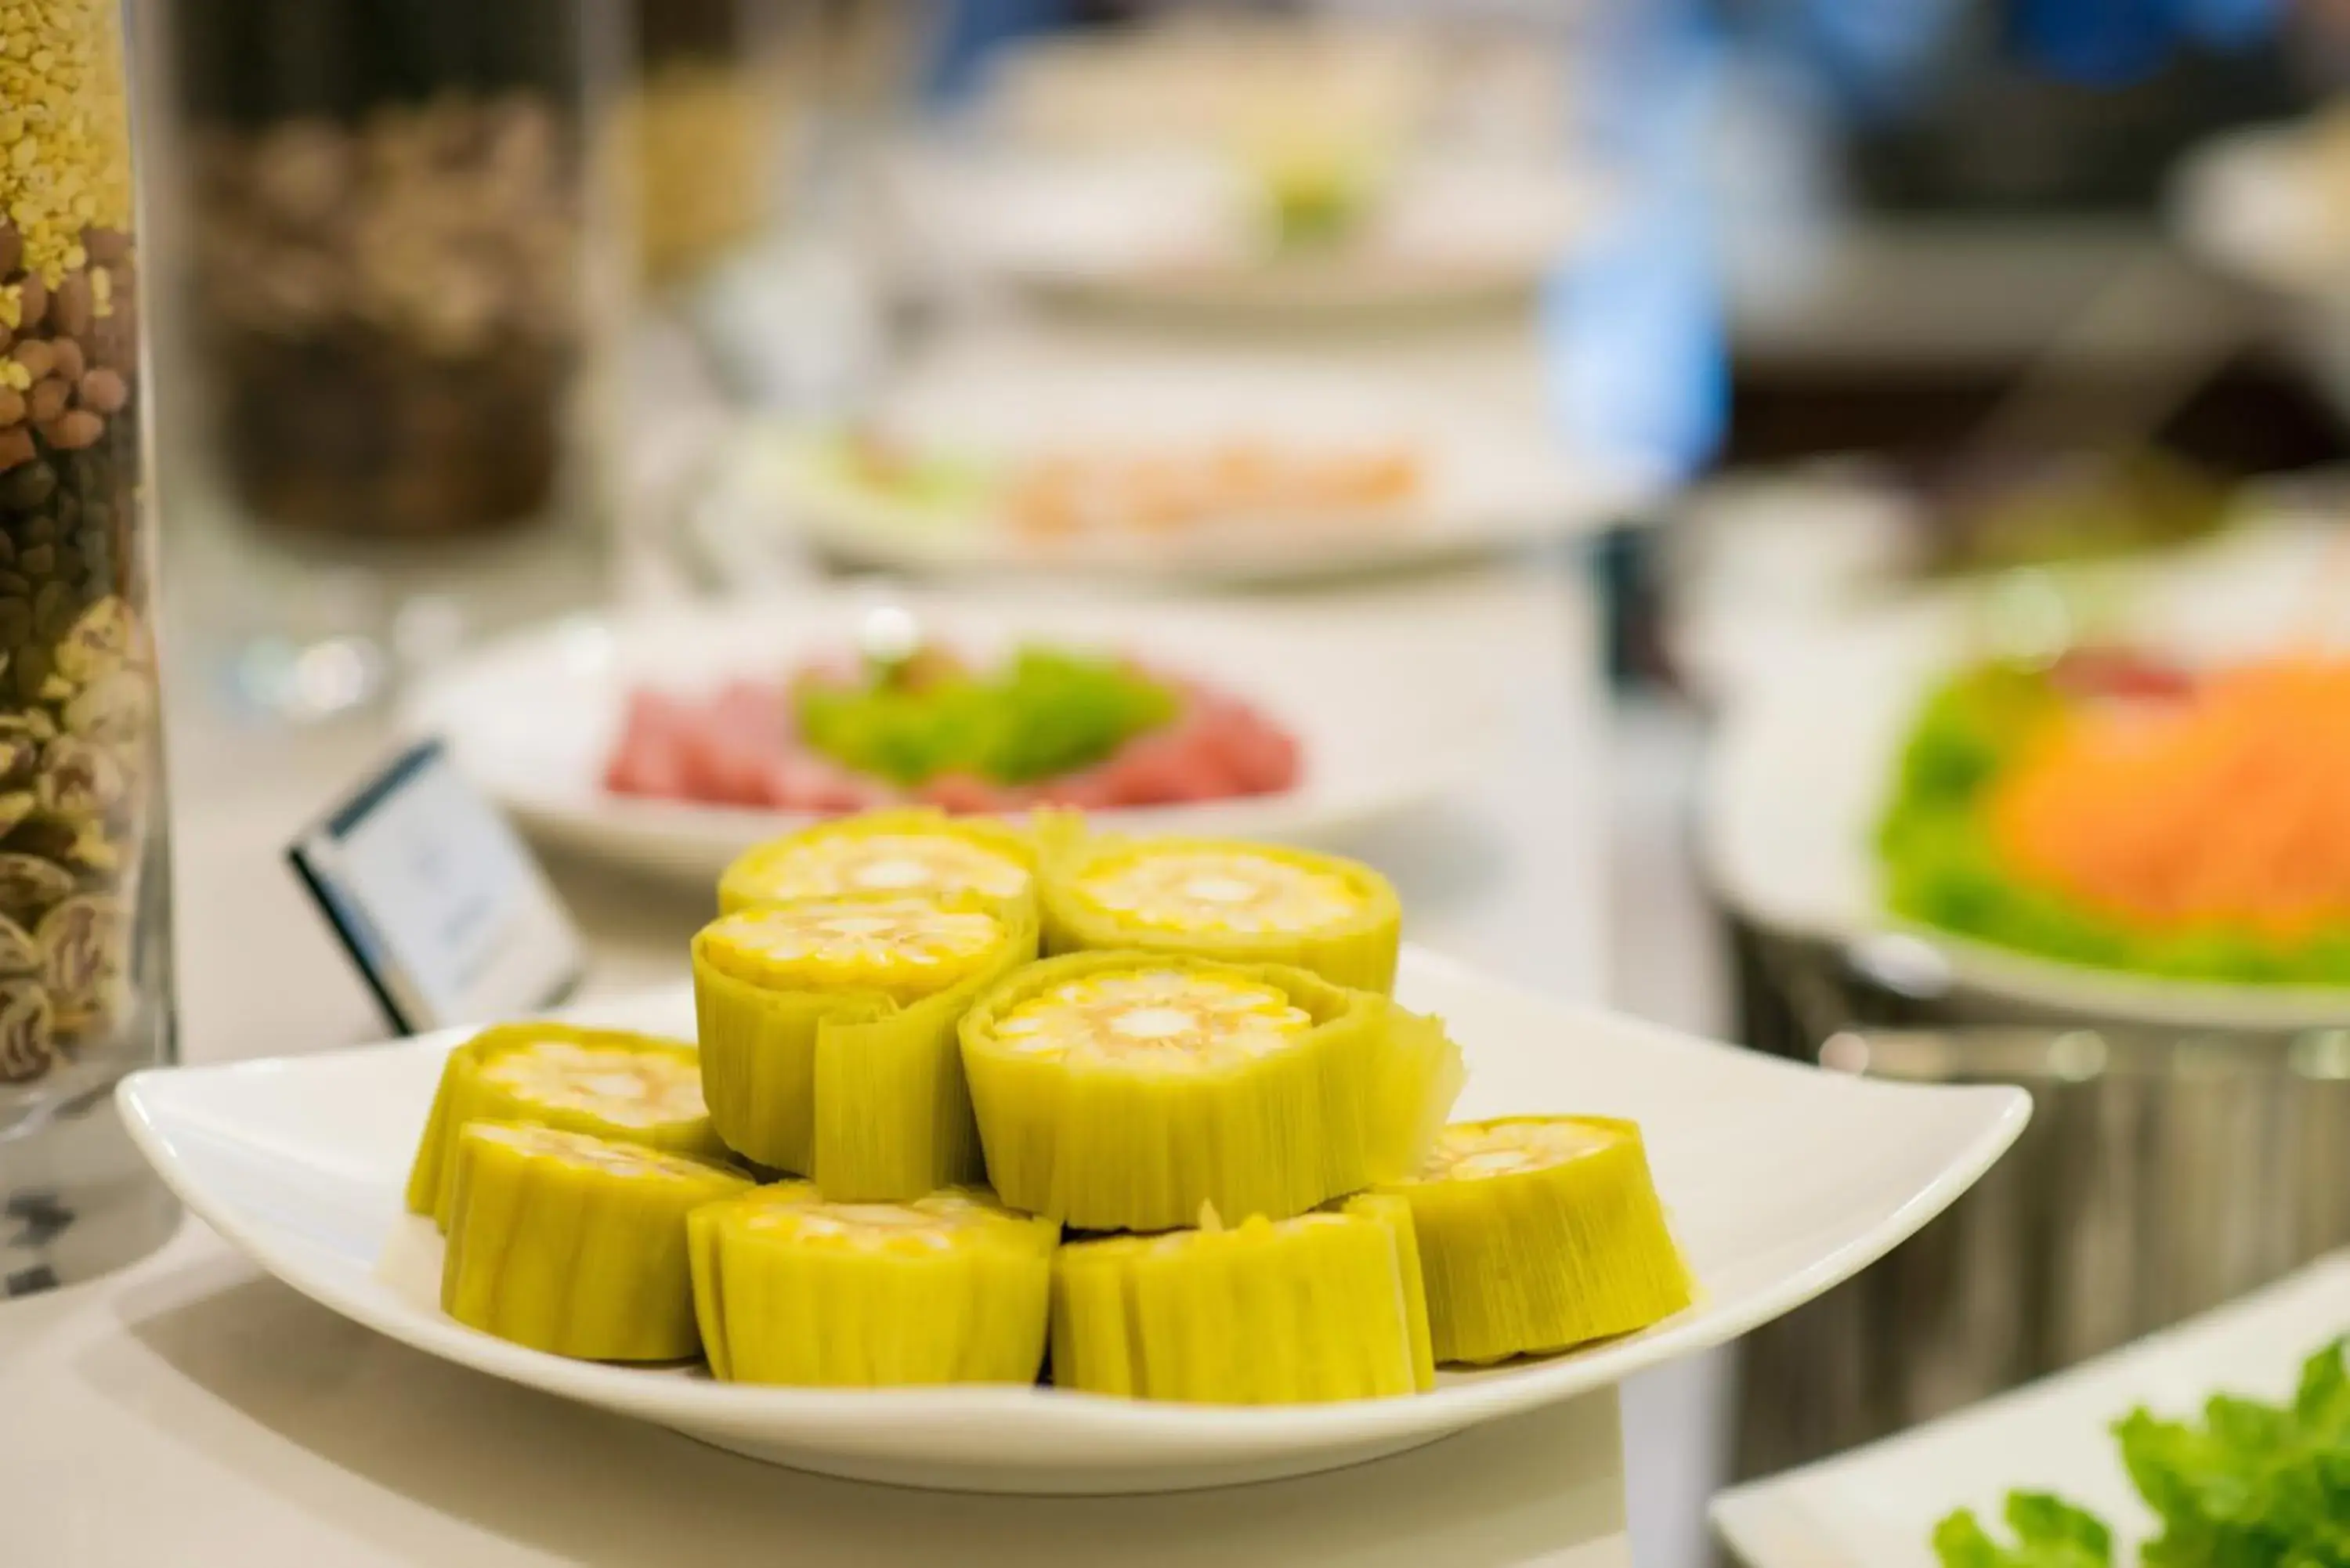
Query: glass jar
(716,115)
(85,988)
(389,296)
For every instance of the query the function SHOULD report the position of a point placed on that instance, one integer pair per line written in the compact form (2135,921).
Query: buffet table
(192,1410)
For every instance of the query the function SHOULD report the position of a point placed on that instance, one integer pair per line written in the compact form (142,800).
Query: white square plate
(1877,1506)
(1781,1180)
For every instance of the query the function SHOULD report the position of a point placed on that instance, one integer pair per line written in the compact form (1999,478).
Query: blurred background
(1585,455)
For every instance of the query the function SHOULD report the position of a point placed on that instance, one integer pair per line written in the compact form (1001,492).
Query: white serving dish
(1806,757)
(1781,1180)
(1877,1506)
(531,719)
(1489,481)
(1177,232)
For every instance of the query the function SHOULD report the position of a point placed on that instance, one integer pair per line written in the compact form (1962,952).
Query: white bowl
(532,718)
(1781,1180)
(1805,759)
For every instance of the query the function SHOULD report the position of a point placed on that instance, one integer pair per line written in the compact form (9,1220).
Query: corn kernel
(628,1088)
(1220,890)
(1153,1015)
(828,865)
(904,947)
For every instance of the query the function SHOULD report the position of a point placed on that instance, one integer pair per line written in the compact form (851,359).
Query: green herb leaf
(2253,1485)
(2049,1533)
(1046,713)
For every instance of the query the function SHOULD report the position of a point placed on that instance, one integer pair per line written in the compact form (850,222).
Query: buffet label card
(440,903)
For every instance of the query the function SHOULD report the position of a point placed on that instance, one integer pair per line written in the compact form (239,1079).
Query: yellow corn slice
(829,1035)
(632,1088)
(950,1288)
(908,853)
(572,1244)
(1123,1091)
(1244,903)
(1537,1233)
(1320,1307)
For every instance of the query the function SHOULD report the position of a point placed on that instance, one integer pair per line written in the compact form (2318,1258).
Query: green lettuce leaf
(2253,1485)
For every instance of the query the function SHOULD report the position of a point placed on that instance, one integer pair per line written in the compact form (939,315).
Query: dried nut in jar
(20,748)
(114,709)
(93,850)
(29,884)
(100,641)
(82,941)
(79,779)
(35,356)
(29,1039)
(29,486)
(70,359)
(11,406)
(29,671)
(20,953)
(16,806)
(103,391)
(16,447)
(47,399)
(75,432)
(74,306)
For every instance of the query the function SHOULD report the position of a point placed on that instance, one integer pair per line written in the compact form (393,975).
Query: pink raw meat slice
(1165,769)
(1259,758)
(645,761)
(798,782)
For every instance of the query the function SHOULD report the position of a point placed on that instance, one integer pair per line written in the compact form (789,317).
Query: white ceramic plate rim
(1435,748)
(1201,1432)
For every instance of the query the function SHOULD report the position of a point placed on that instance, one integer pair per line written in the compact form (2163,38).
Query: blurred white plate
(1877,1506)
(1782,1181)
(1806,757)
(2256,205)
(1172,231)
(2255,201)
(532,718)
(1488,481)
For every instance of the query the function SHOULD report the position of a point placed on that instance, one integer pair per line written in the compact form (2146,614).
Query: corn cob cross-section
(1244,903)
(829,1035)
(905,853)
(1323,1306)
(1540,1232)
(632,1088)
(573,1244)
(950,1288)
(1123,1091)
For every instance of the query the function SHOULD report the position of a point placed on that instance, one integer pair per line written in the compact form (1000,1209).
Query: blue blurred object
(1877,52)
(1633,324)
(972,29)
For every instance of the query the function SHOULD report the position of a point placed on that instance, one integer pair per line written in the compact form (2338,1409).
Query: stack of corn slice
(1210,1066)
